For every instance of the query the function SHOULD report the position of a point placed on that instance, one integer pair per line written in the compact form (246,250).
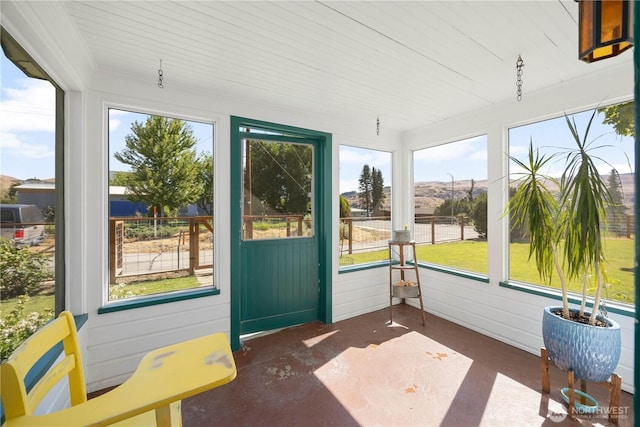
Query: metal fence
(143,246)
(372,233)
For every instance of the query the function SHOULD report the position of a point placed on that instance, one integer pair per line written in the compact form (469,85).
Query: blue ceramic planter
(593,352)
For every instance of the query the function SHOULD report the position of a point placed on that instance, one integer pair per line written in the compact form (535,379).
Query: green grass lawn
(472,256)
(619,269)
(158,286)
(37,303)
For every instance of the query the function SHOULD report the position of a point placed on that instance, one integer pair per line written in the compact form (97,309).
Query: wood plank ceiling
(411,63)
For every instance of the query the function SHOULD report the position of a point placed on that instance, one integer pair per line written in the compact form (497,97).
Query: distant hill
(431,194)
(6,182)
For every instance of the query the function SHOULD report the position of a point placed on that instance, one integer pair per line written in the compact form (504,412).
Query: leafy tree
(621,116)
(345,212)
(281,175)
(120,178)
(163,164)
(364,193)
(460,207)
(205,177)
(479,215)
(377,189)
(7,196)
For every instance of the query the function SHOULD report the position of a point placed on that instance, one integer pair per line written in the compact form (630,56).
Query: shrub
(22,271)
(16,327)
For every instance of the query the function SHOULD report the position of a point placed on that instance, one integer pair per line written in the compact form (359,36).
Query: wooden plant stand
(614,385)
(405,268)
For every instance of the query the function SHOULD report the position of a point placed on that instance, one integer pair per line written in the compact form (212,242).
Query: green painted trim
(273,137)
(466,274)
(165,298)
(363,266)
(621,309)
(323,212)
(636,210)
(236,229)
(325,250)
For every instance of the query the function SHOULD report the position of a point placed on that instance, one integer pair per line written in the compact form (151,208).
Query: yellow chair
(151,396)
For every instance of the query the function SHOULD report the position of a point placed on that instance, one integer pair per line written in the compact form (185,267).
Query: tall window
(450,196)
(31,197)
(160,204)
(611,146)
(365,205)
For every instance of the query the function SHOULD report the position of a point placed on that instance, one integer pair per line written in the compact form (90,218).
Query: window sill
(146,301)
(622,309)
(466,274)
(364,266)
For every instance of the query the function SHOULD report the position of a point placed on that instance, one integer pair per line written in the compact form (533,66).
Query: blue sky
(554,135)
(352,159)
(27,125)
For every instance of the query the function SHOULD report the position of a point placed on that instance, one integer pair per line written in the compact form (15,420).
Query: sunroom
(415,89)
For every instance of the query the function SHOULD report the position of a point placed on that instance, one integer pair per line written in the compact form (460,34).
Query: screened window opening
(160,204)
(32,274)
(610,144)
(450,204)
(365,205)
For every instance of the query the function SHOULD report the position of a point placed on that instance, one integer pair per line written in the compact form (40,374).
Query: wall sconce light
(605,28)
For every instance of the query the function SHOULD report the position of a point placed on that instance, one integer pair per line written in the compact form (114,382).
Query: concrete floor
(366,372)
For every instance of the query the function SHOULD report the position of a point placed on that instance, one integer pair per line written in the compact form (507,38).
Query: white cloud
(11,143)
(28,107)
(114,124)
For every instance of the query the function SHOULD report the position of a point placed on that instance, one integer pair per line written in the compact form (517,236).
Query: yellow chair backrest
(16,399)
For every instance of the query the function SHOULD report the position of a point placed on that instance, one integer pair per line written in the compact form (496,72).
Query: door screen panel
(277,190)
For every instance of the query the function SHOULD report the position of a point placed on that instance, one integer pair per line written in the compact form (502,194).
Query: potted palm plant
(565,221)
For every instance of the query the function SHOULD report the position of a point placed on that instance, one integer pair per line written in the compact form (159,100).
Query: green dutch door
(278,243)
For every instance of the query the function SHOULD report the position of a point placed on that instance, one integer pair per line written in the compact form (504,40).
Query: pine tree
(377,189)
(365,193)
(615,213)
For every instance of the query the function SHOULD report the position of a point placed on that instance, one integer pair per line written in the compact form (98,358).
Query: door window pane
(277,189)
